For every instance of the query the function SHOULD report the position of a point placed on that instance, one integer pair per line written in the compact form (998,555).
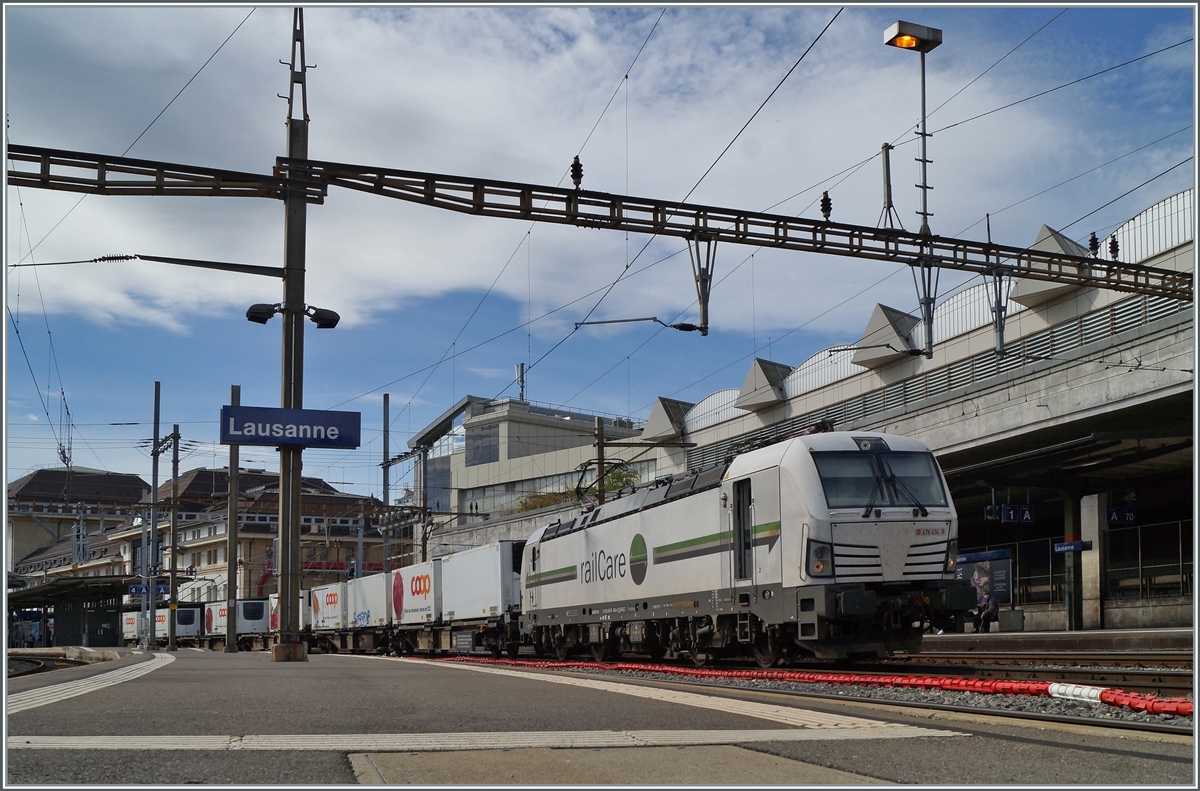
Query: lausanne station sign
(312,428)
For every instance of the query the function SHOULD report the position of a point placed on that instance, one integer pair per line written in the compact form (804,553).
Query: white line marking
(201,650)
(31,699)
(765,711)
(137,652)
(444,742)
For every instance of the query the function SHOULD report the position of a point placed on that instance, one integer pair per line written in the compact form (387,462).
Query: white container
(130,627)
(370,600)
(482,583)
(417,593)
(303,604)
(329,607)
(252,617)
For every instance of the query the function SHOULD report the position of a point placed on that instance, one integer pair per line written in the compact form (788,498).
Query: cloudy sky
(436,305)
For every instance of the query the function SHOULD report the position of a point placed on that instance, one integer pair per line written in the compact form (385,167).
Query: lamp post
(906,35)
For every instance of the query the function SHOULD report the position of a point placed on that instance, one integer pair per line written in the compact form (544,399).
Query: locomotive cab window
(854,479)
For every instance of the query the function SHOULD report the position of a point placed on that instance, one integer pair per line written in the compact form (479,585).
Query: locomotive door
(533,551)
(756,560)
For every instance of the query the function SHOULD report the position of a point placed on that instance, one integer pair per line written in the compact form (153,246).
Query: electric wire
(688,195)
(528,232)
(1064,85)
(144,131)
(64,453)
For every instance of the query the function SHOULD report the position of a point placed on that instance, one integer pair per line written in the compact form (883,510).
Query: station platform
(1139,640)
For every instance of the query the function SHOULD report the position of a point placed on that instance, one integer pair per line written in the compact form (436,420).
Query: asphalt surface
(245,696)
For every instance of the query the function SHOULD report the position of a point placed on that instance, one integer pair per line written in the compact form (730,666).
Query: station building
(1081,411)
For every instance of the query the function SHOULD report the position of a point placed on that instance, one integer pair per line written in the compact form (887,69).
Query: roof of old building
(78,484)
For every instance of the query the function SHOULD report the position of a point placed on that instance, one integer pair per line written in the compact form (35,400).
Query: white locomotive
(834,545)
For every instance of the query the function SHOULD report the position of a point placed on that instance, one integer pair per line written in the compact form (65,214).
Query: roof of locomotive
(670,487)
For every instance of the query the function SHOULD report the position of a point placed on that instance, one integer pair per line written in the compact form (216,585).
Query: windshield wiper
(871,497)
(901,487)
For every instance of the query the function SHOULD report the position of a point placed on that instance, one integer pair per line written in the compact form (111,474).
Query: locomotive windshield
(854,479)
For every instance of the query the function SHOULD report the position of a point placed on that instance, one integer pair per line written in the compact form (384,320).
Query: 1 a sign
(311,428)
(1017,513)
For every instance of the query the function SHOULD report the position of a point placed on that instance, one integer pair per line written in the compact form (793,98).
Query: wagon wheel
(496,650)
(513,650)
(539,650)
(766,651)
(599,651)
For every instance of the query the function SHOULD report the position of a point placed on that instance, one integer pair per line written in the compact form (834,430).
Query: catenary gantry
(108,175)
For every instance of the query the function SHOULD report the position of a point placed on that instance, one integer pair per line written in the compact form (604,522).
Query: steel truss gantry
(94,173)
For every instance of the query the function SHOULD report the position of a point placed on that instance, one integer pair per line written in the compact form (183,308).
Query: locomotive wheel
(561,649)
(538,649)
(599,651)
(766,653)
(700,654)
(513,650)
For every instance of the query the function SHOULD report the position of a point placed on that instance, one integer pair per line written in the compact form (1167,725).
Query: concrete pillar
(1073,597)
(1093,525)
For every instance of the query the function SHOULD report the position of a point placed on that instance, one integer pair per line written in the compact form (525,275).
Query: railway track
(1162,682)
(1150,727)
(28,665)
(1166,659)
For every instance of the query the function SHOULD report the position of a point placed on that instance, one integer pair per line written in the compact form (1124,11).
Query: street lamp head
(906,35)
(324,318)
(262,312)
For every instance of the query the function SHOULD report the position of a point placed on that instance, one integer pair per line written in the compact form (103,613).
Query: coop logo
(420,585)
(602,566)
(398,593)
(931,531)
(331,599)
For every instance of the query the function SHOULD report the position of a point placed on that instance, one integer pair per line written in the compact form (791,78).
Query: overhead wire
(653,236)
(851,170)
(528,232)
(65,451)
(147,129)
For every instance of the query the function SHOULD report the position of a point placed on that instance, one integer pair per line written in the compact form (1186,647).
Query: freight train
(835,545)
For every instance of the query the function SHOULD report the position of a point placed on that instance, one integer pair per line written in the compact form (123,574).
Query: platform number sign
(1122,515)
(1017,513)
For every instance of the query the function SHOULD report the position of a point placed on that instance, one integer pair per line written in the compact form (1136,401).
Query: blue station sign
(312,428)
(1072,546)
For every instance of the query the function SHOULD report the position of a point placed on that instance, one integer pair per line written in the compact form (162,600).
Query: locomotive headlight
(820,559)
(952,555)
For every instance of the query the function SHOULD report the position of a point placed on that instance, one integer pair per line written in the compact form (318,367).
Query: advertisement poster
(988,572)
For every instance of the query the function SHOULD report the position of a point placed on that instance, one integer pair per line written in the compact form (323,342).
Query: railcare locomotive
(833,545)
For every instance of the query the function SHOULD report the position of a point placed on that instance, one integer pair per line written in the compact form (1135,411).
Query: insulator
(1113,248)
(826,205)
(577,172)
(1094,245)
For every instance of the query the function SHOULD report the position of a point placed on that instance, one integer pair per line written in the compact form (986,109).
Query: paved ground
(217,718)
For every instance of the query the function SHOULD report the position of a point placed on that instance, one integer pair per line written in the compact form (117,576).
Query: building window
(483,444)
